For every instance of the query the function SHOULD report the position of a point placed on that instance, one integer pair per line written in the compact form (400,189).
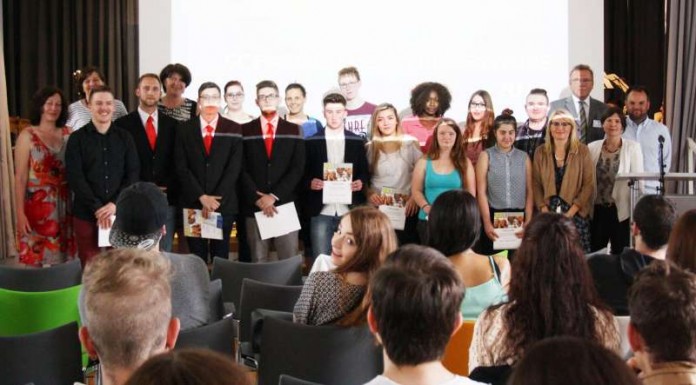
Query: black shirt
(98,166)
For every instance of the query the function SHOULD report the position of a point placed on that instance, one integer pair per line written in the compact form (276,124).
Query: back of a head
(189,367)
(682,243)
(575,362)
(654,215)
(416,297)
(453,223)
(662,305)
(127,300)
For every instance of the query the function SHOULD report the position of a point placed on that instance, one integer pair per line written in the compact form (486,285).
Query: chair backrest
(215,300)
(31,312)
(284,272)
(260,295)
(624,346)
(324,354)
(217,336)
(32,279)
(290,380)
(48,357)
(456,358)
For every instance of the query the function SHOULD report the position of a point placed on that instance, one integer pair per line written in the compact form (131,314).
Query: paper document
(394,206)
(337,183)
(283,222)
(507,225)
(103,235)
(196,226)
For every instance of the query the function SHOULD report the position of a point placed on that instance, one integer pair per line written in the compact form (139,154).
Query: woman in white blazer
(613,155)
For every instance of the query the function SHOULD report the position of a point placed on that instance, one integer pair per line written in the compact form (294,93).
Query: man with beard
(429,102)
(647,132)
(208,163)
(154,136)
(274,162)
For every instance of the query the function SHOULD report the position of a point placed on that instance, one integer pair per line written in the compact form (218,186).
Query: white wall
(504,46)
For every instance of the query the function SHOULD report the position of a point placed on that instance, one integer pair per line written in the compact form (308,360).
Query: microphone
(661,139)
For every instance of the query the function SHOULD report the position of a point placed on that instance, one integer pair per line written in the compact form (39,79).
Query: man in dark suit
(335,145)
(586,110)
(154,136)
(274,159)
(208,163)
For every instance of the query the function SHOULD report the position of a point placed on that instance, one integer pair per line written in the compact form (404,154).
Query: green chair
(32,312)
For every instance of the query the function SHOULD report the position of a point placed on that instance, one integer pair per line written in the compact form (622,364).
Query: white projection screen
(506,47)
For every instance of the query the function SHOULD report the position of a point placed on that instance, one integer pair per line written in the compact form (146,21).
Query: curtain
(680,95)
(634,46)
(7,207)
(47,40)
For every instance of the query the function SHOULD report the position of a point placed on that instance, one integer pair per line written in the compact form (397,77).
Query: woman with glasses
(444,167)
(234,99)
(564,175)
(175,78)
(295,95)
(477,128)
(339,296)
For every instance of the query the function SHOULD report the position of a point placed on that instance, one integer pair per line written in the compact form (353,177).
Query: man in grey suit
(586,110)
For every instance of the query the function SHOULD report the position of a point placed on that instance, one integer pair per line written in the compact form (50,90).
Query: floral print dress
(46,206)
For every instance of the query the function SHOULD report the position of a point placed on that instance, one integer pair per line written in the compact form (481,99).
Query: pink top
(412,126)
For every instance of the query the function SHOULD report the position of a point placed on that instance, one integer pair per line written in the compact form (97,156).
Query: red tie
(151,132)
(208,139)
(269,139)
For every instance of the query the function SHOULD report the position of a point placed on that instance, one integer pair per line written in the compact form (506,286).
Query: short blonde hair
(573,141)
(128,306)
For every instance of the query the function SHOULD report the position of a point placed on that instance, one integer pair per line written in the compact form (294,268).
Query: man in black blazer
(154,136)
(208,163)
(581,83)
(273,166)
(334,144)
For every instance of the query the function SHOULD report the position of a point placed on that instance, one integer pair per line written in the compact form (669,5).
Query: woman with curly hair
(551,294)
(429,102)
(477,133)
(175,78)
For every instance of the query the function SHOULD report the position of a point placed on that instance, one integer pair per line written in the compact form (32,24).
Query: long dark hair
(551,290)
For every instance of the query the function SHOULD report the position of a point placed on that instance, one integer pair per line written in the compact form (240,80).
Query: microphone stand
(660,156)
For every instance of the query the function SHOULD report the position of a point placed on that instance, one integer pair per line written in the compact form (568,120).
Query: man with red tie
(154,136)
(208,163)
(273,166)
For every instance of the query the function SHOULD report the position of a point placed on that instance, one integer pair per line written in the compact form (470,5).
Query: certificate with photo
(393,204)
(196,226)
(507,225)
(337,183)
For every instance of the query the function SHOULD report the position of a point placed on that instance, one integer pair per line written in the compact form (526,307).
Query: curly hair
(421,93)
(551,289)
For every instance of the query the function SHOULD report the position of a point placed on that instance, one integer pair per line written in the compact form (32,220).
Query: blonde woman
(391,156)
(564,174)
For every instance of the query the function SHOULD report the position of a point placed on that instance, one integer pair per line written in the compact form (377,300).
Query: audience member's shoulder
(190,262)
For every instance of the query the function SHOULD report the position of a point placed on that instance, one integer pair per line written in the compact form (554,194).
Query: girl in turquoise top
(453,227)
(444,168)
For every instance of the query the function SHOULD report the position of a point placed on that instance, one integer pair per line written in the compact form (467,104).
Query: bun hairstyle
(505,117)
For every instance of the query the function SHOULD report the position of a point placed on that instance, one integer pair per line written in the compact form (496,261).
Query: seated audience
(80,112)
(662,330)
(564,177)
(444,167)
(681,249)
(391,156)
(141,224)
(358,248)
(653,218)
(189,367)
(175,78)
(571,361)
(415,300)
(613,155)
(44,228)
(503,183)
(476,131)
(429,103)
(453,228)
(551,294)
(127,315)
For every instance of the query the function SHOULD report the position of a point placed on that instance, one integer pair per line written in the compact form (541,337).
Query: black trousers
(605,227)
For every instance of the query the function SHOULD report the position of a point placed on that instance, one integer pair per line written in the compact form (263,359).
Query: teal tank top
(435,184)
(479,298)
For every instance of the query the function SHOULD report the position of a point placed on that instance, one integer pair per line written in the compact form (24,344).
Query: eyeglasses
(210,98)
(235,96)
(346,85)
(560,124)
(266,98)
(477,105)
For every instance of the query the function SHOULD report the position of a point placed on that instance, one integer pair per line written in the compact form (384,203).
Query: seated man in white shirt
(415,308)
